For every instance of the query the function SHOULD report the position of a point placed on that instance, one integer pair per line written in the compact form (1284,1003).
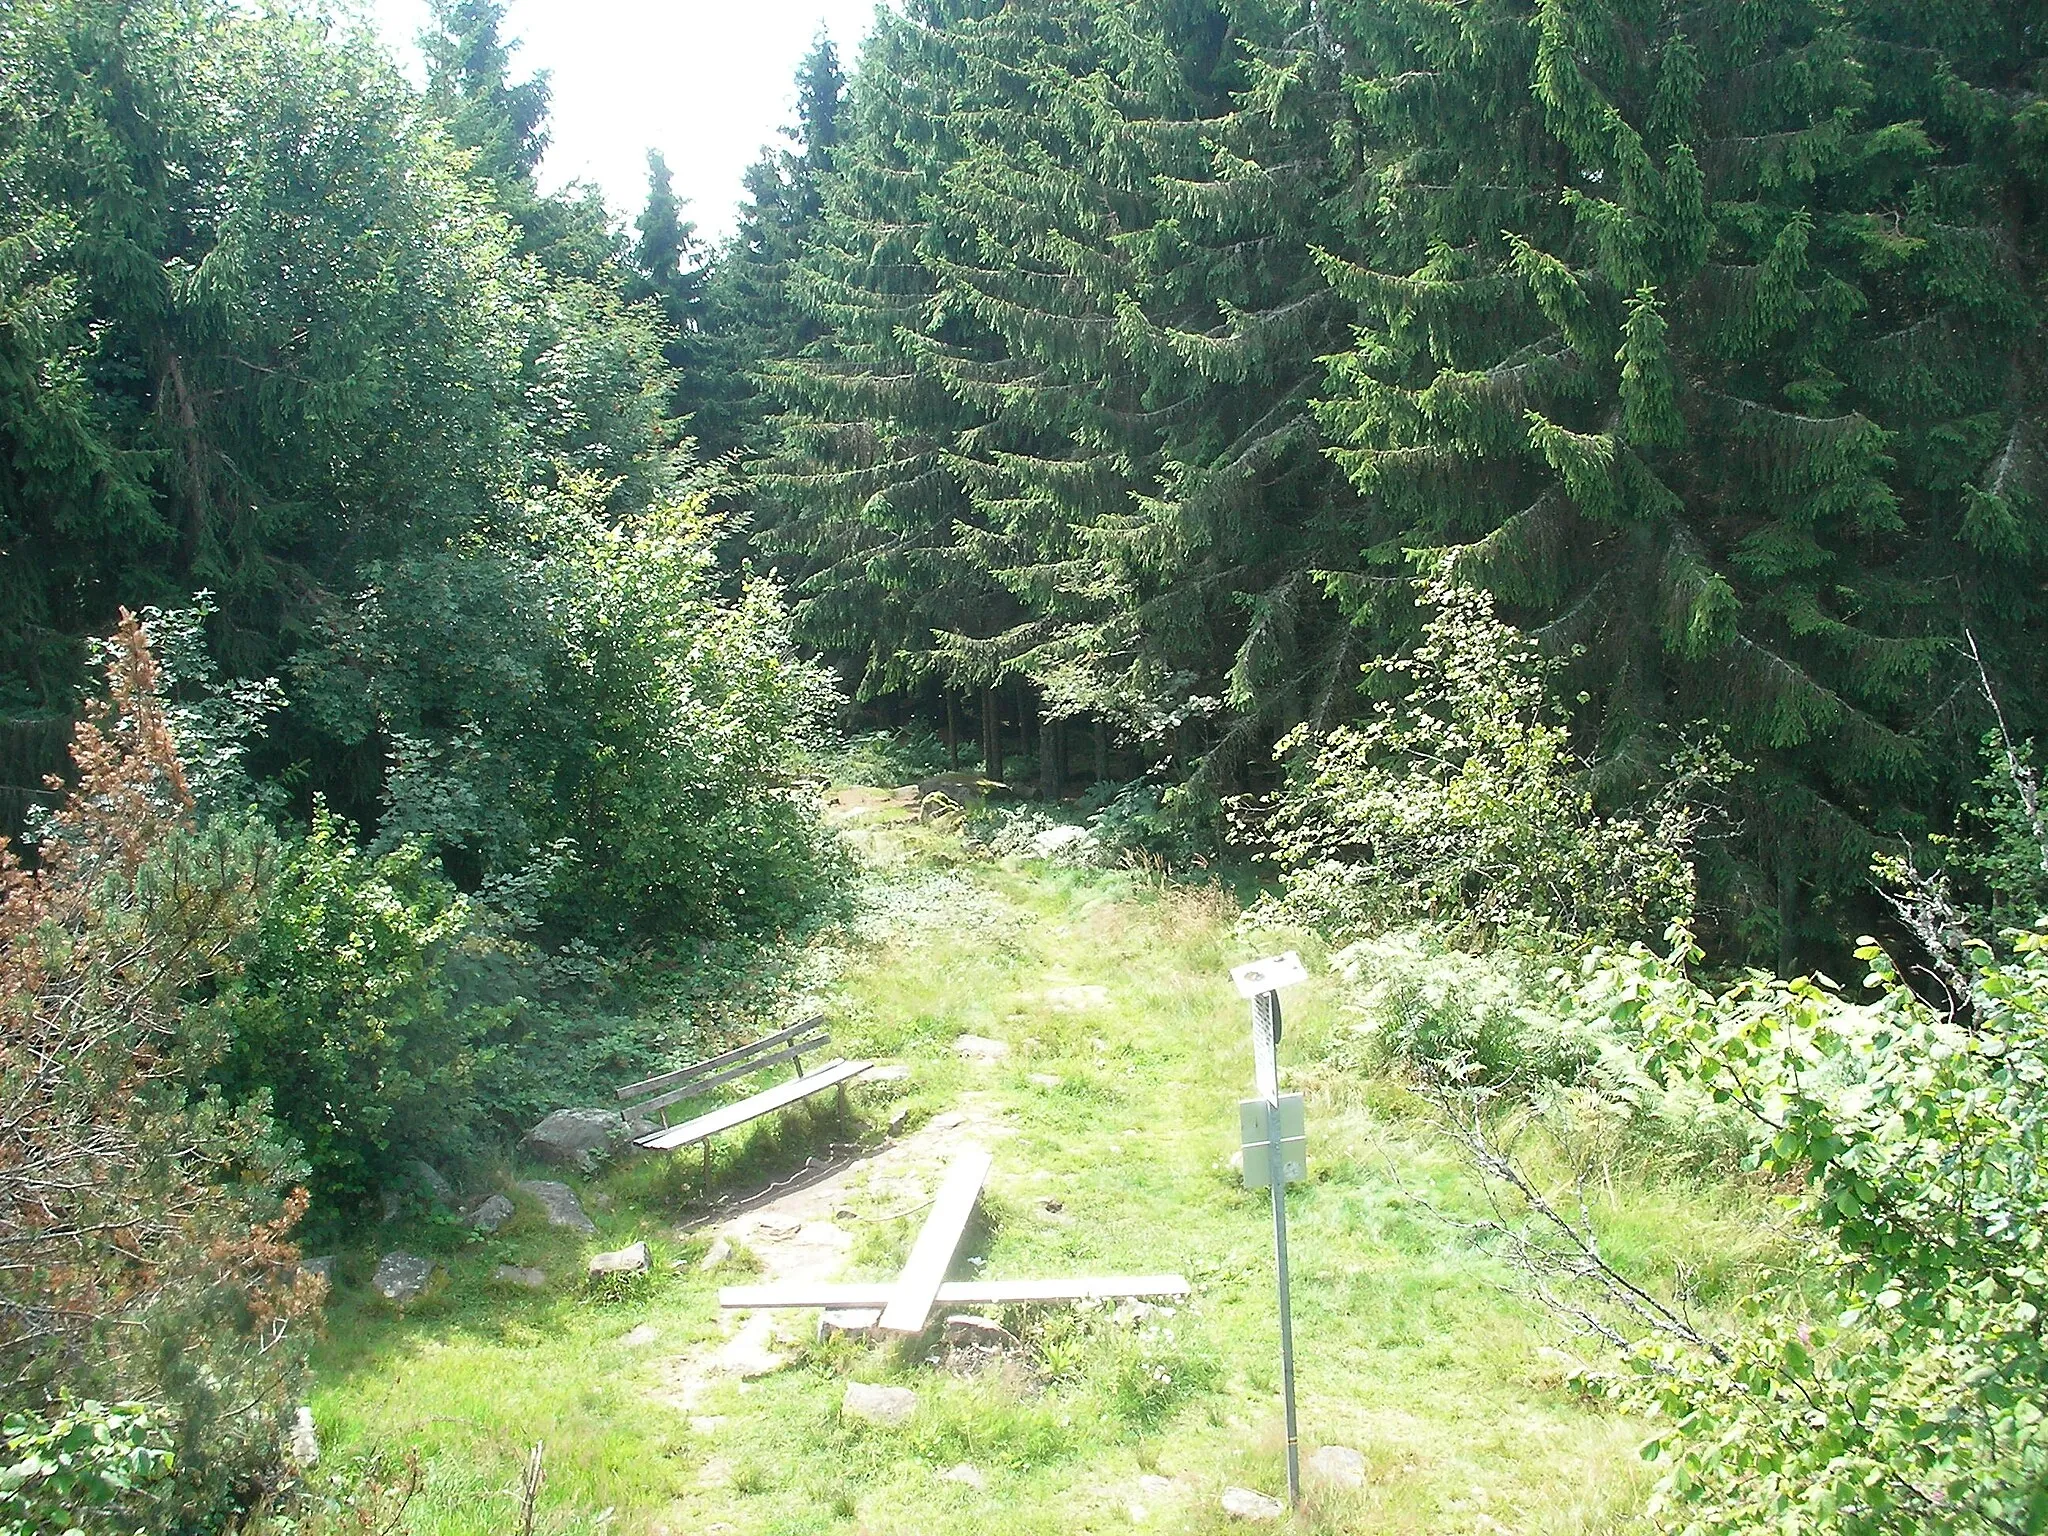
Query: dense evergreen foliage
(1708,338)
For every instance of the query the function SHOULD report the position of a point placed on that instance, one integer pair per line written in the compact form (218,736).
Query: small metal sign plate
(1255,1126)
(1268,975)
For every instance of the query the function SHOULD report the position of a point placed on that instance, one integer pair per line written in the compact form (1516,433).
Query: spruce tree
(1709,339)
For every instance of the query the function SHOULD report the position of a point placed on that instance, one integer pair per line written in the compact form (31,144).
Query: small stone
(302,1445)
(1057,842)
(948,1120)
(878,1405)
(1155,1485)
(322,1269)
(1045,1080)
(777,1229)
(707,1423)
(640,1337)
(629,1260)
(1050,1204)
(576,1138)
(980,1048)
(716,1255)
(528,1279)
(560,1202)
(982,1332)
(1077,999)
(434,1182)
(492,1214)
(1338,1465)
(898,1117)
(852,1322)
(1244,1504)
(967,1473)
(401,1277)
(888,1072)
(1130,1311)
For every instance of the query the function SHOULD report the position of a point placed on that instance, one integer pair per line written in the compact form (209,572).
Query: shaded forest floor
(1112,1119)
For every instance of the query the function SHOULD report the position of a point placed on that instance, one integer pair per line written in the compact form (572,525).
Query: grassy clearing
(1414,1348)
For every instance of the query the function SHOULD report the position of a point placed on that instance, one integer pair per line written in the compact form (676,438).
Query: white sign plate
(1255,1124)
(1268,975)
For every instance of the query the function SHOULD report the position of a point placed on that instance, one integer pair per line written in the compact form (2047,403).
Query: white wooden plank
(736,1114)
(954,1293)
(910,1305)
(724,1058)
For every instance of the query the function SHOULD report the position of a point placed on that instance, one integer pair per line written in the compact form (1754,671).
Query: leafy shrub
(142,1222)
(343,1018)
(579,697)
(1907,1396)
(1459,802)
(2003,847)
(79,1471)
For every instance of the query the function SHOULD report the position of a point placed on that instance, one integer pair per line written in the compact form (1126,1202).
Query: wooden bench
(656,1095)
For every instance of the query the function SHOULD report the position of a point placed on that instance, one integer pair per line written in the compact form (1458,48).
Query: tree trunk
(1049,776)
(991,737)
(1101,753)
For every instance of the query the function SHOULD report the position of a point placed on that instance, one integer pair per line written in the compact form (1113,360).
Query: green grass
(1414,1346)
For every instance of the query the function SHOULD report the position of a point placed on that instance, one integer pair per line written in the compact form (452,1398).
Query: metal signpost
(1275,1140)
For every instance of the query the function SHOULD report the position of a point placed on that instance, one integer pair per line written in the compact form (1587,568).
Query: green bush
(342,1016)
(1902,1388)
(1459,802)
(579,708)
(83,1470)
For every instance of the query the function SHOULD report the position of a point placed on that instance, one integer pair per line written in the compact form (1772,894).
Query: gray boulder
(322,1268)
(1338,1465)
(302,1441)
(629,1260)
(1246,1504)
(576,1138)
(401,1278)
(878,1405)
(526,1279)
(433,1182)
(492,1214)
(560,1202)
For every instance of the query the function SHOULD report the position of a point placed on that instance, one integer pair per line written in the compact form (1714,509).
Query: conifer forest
(1539,507)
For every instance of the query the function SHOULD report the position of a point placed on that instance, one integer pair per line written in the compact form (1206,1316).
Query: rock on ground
(716,1255)
(640,1337)
(965,1472)
(322,1267)
(512,1274)
(854,1322)
(889,1072)
(401,1277)
(983,1332)
(492,1214)
(560,1202)
(1338,1465)
(302,1445)
(434,1182)
(878,1405)
(1244,1504)
(576,1138)
(629,1260)
(979,1048)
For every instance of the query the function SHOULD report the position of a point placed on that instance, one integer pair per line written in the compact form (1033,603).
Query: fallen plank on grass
(909,1306)
(857,1295)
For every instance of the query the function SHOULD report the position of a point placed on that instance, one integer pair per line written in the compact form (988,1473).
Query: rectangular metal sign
(1255,1124)
(1268,975)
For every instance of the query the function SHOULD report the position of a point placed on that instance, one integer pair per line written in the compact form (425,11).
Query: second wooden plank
(917,1288)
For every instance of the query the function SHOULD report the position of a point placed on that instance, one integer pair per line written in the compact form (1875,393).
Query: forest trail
(1109,1103)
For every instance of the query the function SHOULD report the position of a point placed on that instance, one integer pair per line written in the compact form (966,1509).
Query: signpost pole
(1266,1007)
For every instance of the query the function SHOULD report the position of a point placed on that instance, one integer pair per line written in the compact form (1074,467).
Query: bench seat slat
(740,1112)
(809,1045)
(723,1059)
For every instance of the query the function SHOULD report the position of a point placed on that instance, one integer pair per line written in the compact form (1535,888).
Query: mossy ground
(1414,1346)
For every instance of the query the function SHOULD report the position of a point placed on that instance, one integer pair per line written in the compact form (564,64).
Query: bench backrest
(791,1043)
